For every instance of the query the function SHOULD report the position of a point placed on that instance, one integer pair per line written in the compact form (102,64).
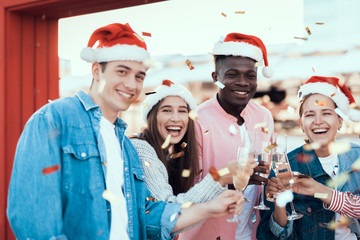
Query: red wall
(29,69)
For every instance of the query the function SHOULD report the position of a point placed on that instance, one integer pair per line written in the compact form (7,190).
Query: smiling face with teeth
(173,118)
(239,75)
(116,86)
(319,121)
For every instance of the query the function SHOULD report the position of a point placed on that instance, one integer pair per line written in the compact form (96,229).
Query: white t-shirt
(115,181)
(331,166)
(244,229)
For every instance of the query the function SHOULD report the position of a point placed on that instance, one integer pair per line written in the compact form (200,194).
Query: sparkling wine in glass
(241,176)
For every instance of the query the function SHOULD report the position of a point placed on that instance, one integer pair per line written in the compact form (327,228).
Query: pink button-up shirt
(218,142)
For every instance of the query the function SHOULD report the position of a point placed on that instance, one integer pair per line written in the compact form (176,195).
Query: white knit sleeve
(157,179)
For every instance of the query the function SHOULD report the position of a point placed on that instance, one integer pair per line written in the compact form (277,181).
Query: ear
(96,70)
(340,123)
(301,125)
(214,76)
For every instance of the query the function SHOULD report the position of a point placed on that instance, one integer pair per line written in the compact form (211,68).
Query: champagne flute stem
(262,194)
(292,207)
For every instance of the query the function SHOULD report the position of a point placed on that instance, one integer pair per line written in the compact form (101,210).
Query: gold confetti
(239,12)
(177,155)
(167,142)
(193,115)
(206,132)
(264,130)
(321,195)
(146,34)
(112,198)
(270,147)
(341,223)
(147,164)
(147,211)
(321,103)
(223,171)
(301,38)
(338,180)
(339,147)
(259,125)
(356,165)
(319,23)
(333,94)
(185,173)
(140,38)
(105,163)
(186,204)
(308,30)
(151,199)
(224,14)
(312,146)
(189,64)
(183,145)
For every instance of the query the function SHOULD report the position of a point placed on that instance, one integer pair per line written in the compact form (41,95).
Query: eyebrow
(181,106)
(128,68)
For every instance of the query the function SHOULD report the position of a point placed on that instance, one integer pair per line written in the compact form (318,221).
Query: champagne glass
(241,176)
(283,172)
(263,156)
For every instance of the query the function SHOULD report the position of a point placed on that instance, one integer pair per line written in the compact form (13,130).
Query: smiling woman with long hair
(172,169)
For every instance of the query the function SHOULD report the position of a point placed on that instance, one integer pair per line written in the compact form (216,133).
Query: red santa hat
(330,87)
(116,42)
(238,44)
(167,88)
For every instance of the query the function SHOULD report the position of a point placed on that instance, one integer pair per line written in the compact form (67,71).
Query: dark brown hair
(175,166)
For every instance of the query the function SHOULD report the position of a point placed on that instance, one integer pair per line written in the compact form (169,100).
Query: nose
(130,83)
(174,117)
(242,80)
(318,119)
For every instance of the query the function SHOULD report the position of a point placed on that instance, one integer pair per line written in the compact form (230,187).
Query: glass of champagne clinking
(241,175)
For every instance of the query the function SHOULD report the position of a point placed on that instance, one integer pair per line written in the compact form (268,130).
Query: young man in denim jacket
(77,176)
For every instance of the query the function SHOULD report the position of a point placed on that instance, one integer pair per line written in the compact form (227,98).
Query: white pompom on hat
(167,88)
(116,42)
(331,87)
(238,44)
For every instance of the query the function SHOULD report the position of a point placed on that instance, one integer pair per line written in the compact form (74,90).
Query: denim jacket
(68,203)
(309,226)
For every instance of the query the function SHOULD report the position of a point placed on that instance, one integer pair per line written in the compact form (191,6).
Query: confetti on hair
(319,23)
(146,34)
(186,204)
(259,125)
(259,64)
(166,142)
(189,64)
(49,170)
(206,132)
(193,115)
(112,198)
(219,84)
(147,211)
(239,12)
(304,158)
(214,173)
(147,164)
(177,155)
(301,38)
(312,146)
(232,129)
(356,165)
(223,171)
(224,14)
(339,147)
(338,180)
(284,197)
(264,130)
(185,173)
(183,145)
(321,103)
(321,195)
(174,217)
(149,93)
(308,30)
